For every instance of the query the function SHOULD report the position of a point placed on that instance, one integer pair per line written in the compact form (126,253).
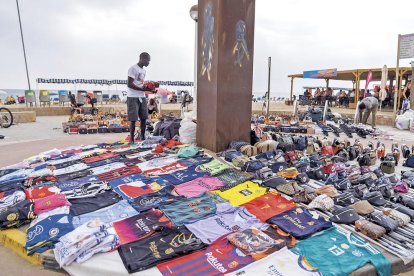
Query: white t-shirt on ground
(138,74)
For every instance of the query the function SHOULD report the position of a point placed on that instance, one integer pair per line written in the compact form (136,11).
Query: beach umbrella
(325,110)
(384,78)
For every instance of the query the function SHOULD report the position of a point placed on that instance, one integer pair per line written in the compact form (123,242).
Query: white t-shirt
(281,263)
(138,74)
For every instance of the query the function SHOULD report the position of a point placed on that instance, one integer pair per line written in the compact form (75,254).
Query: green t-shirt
(339,252)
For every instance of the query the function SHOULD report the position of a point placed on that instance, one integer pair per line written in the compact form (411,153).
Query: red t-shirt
(269,205)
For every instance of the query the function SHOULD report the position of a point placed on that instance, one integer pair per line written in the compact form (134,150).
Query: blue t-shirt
(189,210)
(154,200)
(44,234)
(106,161)
(300,223)
(339,252)
(186,175)
(77,182)
(195,161)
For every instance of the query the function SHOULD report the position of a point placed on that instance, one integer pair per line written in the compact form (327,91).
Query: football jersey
(135,189)
(227,219)
(64,160)
(242,193)
(339,252)
(189,210)
(198,186)
(232,177)
(75,183)
(106,161)
(118,211)
(173,167)
(259,244)
(74,175)
(153,200)
(17,215)
(185,175)
(280,263)
(87,190)
(89,204)
(217,259)
(46,233)
(156,163)
(165,244)
(100,157)
(140,226)
(106,168)
(48,203)
(83,242)
(214,167)
(39,192)
(269,205)
(300,223)
(71,169)
(196,161)
(12,198)
(120,172)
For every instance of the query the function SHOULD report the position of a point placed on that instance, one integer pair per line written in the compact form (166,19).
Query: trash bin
(98,96)
(63,97)
(30,97)
(81,98)
(44,97)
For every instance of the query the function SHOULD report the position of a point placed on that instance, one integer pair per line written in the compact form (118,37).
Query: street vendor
(368,105)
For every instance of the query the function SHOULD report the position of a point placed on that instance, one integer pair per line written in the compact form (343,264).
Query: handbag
(370,229)
(303,196)
(289,188)
(401,218)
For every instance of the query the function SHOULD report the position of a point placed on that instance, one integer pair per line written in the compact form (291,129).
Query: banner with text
(406,46)
(107,82)
(320,74)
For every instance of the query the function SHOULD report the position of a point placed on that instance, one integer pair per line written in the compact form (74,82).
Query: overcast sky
(102,38)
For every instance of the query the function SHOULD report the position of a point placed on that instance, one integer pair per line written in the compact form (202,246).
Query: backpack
(405,151)
(167,128)
(409,162)
(300,143)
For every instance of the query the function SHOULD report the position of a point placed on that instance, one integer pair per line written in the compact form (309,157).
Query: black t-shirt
(167,243)
(74,175)
(17,215)
(89,204)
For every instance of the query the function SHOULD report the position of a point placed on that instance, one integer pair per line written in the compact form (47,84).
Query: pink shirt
(198,186)
(48,203)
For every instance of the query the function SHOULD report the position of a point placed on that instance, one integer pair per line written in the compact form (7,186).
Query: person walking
(136,99)
(368,105)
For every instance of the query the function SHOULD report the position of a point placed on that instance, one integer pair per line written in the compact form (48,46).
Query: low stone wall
(24,116)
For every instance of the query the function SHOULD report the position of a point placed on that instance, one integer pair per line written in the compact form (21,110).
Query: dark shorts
(137,110)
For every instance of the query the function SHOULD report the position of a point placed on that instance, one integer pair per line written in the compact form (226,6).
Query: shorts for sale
(137,109)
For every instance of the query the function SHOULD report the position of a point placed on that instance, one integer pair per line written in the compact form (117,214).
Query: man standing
(136,100)
(369,105)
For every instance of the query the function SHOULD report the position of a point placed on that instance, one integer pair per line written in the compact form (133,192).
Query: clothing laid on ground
(87,190)
(85,205)
(39,192)
(17,215)
(154,200)
(171,168)
(82,243)
(198,186)
(269,205)
(217,259)
(233,177)
(156,163)
(140,226)
(106,168)
(46,233)
(118,211)
(242,193)
(214,167)
(280,263)
(227,219)
(49,203)
(184,175)
(339,252)
(189,210)
(165,244)
(300,223)
(196,161)
(114,174)
(12,199)
(75,183)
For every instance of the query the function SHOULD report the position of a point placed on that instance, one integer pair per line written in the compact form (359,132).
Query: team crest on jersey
(12,216)
(53,232)
(233,264)
(357,253)
(38,229)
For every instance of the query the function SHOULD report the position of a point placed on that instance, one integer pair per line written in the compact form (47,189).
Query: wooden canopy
(357,75)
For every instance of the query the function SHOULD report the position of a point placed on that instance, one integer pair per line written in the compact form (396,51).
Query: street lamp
(194,16)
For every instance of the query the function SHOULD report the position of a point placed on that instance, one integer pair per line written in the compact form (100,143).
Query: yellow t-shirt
(242,193)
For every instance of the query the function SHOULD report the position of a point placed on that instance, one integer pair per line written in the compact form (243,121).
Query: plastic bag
(188,129)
